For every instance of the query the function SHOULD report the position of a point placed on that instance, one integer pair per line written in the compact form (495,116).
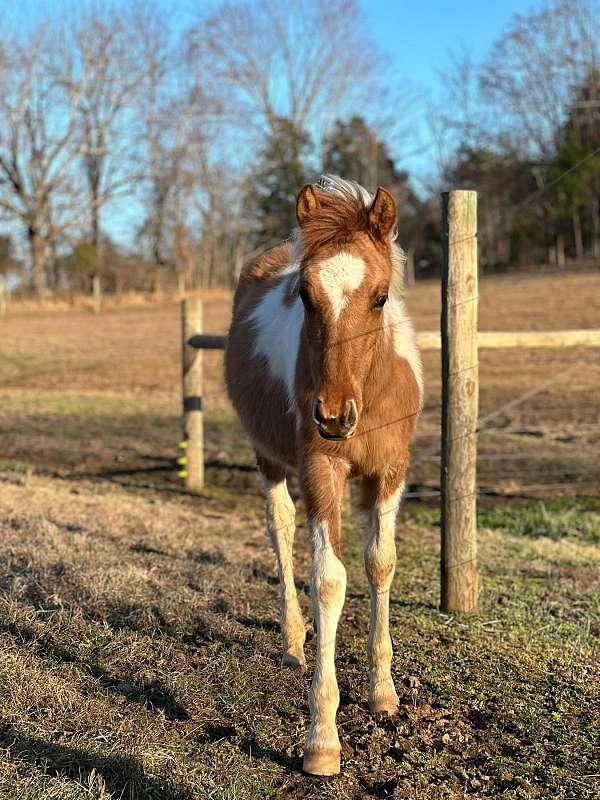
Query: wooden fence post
(460,399)
(97,293)
(191,363)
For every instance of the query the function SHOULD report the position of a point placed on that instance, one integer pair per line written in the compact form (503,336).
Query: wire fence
(541,442)
(570,458)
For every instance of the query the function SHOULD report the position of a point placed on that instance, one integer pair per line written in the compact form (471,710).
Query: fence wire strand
(483,423)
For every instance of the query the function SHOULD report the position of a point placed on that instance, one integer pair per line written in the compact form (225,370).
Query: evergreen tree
(502,180)
(576,171)
(271,200)
(354,151)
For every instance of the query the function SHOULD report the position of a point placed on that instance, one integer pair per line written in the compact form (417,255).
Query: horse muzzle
(334,427)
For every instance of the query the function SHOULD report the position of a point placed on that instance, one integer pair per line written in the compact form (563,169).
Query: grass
(575,519)
(140,658)
(139,645)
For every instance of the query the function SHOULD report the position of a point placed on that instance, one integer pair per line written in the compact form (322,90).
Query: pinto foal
(324,372)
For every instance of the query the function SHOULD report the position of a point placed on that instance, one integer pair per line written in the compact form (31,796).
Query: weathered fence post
(460,399)
(97,293)
(191,363)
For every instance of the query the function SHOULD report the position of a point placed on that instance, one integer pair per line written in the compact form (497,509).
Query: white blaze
(340,275)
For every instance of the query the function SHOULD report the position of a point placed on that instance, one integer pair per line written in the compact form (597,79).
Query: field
(139,644)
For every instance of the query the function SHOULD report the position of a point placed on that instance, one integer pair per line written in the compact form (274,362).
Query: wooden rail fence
(459,341)
(487,340)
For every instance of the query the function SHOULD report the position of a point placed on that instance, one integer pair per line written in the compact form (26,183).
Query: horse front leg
(281,525)
(380,563)
(323,488)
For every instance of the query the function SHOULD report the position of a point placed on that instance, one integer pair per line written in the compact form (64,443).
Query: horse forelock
(343,212)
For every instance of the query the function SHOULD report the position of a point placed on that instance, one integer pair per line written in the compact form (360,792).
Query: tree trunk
(560,251)
(37,250)
(596,226)
(577,234)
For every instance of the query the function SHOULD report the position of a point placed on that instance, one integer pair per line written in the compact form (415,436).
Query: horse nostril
(350,415)
(335,426)
(318,415)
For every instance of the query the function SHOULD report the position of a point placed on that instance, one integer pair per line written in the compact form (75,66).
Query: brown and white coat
(324,372)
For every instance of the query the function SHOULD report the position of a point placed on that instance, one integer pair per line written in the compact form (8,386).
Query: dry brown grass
(76,301)
(127,361)
(139,651)
(139,658)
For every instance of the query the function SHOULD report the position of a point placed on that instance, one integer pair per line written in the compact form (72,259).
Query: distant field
(139,649)
(82,393)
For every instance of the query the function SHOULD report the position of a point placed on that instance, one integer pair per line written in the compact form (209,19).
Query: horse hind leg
(281,515)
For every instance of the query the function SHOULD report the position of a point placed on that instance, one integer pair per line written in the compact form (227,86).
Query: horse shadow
(247,743)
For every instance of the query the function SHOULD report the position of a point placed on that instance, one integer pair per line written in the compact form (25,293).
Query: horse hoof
(293,662)
(385,705)
(323,761)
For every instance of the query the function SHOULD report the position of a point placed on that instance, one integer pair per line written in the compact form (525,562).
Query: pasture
(139,640)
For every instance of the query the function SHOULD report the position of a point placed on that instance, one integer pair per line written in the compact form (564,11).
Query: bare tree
(176,122)
(39,144)
(533,69)
(307,60)
(105,43)
(533,101)
(63,93)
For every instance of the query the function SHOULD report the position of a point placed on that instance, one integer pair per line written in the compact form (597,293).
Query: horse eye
(381,301)
(305,297)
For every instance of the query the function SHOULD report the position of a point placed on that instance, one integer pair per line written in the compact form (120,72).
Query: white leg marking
(328,588)
(340,275)
(281,516)
(278,329)
(380,562)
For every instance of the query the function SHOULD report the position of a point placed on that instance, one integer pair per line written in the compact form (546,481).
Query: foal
(324,372)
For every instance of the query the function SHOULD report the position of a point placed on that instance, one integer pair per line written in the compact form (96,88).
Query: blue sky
(419,38)
(421,35)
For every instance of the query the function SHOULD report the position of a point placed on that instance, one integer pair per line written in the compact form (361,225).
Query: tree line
(191,133)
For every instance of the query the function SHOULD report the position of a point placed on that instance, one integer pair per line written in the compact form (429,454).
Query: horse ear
(382,214)
(306,203)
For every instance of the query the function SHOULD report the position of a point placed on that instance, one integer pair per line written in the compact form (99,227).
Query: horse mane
(343,212)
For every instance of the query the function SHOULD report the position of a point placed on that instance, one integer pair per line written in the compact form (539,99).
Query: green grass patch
(575,519)
(10,465)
